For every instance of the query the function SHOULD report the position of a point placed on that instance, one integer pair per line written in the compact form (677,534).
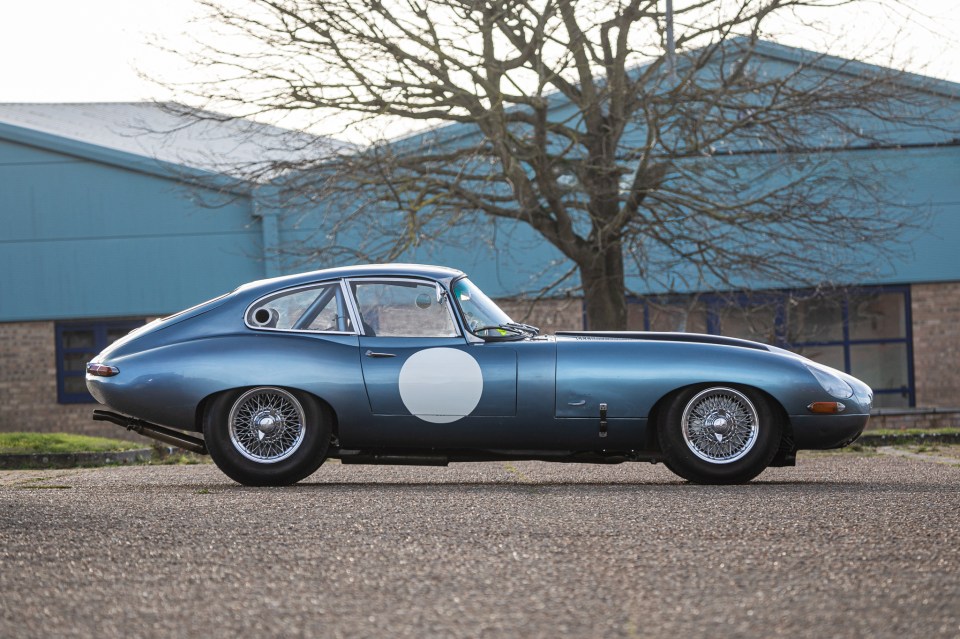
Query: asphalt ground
(843,545)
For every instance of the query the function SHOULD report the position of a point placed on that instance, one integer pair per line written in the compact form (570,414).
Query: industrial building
(113,214)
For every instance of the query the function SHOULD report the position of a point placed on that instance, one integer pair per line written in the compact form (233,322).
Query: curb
(868,439)
(72,460)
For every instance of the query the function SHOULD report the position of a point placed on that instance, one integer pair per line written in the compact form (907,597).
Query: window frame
(100,329)
(349,282)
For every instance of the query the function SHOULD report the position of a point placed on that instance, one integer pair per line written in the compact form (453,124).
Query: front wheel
(719,434)
(266,436)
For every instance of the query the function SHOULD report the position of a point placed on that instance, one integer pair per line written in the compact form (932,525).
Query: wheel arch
(658,412)
(204,405)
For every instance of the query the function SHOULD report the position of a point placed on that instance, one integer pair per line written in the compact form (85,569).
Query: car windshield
(479,311)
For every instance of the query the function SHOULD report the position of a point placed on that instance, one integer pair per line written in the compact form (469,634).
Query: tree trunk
(604,290)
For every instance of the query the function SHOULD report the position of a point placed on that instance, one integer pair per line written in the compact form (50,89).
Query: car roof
(362,270)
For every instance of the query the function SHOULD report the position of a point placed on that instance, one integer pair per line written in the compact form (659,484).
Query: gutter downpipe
(269,228)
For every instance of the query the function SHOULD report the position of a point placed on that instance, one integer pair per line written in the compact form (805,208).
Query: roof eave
(122,159)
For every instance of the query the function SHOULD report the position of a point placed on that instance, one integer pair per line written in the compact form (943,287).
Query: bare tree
(700,168)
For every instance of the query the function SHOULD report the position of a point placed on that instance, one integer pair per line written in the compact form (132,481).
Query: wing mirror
(441,294)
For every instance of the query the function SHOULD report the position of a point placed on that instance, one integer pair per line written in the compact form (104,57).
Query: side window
(318,308)
(403,309)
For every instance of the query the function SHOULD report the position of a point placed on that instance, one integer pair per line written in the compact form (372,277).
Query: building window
(77,344)
(865,332)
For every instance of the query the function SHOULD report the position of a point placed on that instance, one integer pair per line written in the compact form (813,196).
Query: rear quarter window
(315,308)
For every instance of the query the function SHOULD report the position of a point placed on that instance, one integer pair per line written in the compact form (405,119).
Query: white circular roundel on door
(441,385)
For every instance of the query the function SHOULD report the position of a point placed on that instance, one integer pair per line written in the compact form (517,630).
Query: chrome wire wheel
(267,425)
(720,425)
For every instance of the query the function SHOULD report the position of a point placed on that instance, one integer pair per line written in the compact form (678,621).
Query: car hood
(696,338)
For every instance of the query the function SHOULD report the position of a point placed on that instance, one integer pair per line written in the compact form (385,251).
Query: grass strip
(56,443)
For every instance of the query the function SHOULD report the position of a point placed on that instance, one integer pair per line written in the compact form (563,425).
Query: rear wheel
(266,436)
(719,434)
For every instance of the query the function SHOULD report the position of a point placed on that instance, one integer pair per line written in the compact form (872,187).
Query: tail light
(101,370)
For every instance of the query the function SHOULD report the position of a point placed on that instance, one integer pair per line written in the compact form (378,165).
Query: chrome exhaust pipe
(160,433)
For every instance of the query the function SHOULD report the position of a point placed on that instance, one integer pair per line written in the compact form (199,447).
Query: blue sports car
(408,364)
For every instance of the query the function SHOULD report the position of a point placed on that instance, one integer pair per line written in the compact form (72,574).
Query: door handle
(372,354)
(580,403)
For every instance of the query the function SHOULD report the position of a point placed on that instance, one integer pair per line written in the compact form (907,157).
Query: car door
(426,384)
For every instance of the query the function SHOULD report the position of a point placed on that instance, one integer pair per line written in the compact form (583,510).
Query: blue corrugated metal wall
(507,258)
(89,232)
(82,237)
(929,179)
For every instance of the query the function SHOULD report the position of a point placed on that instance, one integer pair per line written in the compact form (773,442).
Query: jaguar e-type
(409,364)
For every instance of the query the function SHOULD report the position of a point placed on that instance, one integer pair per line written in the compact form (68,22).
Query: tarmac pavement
(843,545)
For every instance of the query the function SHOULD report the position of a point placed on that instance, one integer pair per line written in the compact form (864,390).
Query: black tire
(266,436)
(719,434)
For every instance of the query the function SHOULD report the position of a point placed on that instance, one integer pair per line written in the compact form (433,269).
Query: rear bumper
(826,431)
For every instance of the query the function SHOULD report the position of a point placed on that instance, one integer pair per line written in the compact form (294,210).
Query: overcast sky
(92,50)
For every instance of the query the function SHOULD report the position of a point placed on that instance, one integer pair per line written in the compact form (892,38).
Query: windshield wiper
(526,328)
(509,330)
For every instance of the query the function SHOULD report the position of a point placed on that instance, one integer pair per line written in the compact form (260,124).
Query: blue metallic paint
(659,367)
(540,394)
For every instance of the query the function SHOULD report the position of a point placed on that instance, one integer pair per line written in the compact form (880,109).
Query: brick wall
(28,386)
(900,420)
(549,315)
(936,343)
